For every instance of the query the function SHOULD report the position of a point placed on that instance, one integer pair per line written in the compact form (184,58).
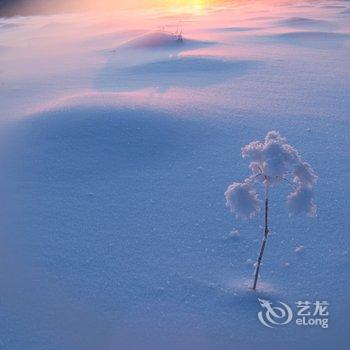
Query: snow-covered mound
(346,12)
(129,138)
(240,29)
(315,36)
(312,38)
(304,22)
(176,71)
(161,40)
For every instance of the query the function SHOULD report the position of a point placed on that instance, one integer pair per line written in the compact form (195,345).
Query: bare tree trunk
(266,233)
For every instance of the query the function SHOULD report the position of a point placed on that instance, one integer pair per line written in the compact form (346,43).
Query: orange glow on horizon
(195,5)
(59,6)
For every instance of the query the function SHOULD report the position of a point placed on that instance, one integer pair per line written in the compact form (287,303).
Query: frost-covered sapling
(272,162)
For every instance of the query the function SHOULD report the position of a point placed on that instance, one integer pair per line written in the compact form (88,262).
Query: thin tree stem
(266,233)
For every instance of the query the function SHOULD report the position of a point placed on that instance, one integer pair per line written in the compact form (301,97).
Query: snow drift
(162,40)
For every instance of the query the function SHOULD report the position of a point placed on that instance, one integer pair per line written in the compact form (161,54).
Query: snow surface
(117,146)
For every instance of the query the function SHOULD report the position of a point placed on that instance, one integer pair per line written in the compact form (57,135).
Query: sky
(40,6)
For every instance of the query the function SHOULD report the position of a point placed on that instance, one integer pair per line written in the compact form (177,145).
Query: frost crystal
(273,161)
(242,200)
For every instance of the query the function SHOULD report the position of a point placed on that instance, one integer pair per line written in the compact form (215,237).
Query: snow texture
(116,145)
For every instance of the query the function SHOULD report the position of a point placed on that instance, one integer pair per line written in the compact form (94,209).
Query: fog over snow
(121,132)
